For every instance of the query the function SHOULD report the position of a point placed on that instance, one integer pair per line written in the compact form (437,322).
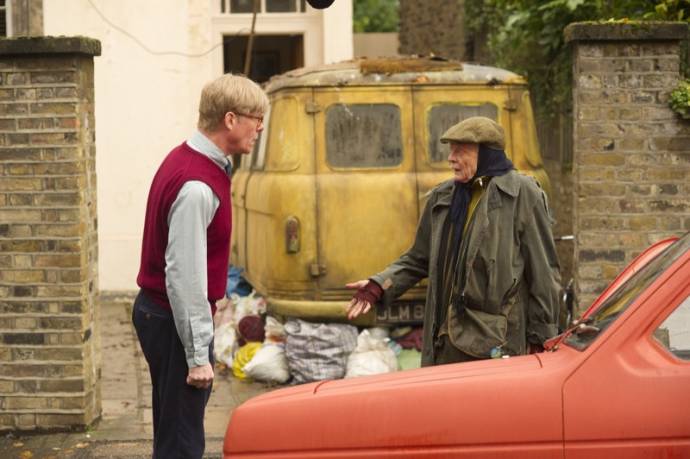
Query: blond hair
(229,93)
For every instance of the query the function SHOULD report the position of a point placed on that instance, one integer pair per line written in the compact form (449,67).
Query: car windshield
(625,295)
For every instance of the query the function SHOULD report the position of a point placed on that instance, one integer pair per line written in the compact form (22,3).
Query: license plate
(400,313)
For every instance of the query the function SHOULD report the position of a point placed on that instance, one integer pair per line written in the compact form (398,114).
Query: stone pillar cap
(19,46)
(625,31)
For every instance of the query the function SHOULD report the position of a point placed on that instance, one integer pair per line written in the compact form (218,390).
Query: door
(271,55)
(366,188)
(631,398)
(244,166)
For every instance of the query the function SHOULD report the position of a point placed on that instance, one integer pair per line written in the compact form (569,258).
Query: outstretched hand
(357,306)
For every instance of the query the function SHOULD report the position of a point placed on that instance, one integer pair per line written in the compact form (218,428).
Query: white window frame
(8,17)
(262,8)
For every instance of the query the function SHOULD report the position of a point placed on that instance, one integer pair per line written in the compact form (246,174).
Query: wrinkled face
(245,129)
(463,159)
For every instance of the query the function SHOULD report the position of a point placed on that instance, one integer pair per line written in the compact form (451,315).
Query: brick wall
(631,152)
(49,359)
(423,30)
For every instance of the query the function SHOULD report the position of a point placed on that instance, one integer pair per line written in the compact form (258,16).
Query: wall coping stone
(625,31)
(26,46)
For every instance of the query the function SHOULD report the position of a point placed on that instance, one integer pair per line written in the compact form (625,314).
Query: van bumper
(331,311)
(399,313)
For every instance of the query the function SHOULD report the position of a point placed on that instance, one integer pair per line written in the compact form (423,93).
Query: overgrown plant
(680,99)
(527,36)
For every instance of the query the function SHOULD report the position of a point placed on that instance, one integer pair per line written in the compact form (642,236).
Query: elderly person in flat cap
(485,243)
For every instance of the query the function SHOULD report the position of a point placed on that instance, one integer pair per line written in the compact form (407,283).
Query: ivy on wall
(526,36)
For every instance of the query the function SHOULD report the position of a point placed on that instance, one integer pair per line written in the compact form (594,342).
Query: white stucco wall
(146,101)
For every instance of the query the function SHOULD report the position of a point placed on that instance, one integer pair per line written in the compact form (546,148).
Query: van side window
(284,135)
(442,116)
(363,135)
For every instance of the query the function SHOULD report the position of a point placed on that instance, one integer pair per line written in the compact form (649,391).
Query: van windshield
(363,135)
(442,116)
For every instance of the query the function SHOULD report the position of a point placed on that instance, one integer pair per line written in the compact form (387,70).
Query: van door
(240,180)
(437,108)
(366,187)
(280,192)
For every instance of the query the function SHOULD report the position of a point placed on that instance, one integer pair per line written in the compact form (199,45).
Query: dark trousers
(178,408)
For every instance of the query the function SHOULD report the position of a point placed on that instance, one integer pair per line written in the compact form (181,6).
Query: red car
(617,384)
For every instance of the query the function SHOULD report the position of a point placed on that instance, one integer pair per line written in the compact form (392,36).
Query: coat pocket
(476,332)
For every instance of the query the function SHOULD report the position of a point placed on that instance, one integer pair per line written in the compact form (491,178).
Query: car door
(630,398)
(366,187)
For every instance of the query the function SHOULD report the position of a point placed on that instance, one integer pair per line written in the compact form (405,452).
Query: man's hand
(368,292)
(200,377)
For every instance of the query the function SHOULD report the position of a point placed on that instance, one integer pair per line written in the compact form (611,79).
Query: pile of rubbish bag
(260,347)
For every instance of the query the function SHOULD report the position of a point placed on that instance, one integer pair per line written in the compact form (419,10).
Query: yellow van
(335,186)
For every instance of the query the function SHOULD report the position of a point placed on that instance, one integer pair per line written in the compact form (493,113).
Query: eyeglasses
(259,119)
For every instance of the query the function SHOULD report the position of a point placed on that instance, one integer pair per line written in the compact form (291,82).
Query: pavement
(125,428)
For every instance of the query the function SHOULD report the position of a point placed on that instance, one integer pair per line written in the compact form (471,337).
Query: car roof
(394,71)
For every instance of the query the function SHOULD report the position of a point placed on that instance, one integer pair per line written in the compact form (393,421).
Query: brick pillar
(631,152)
(49,358)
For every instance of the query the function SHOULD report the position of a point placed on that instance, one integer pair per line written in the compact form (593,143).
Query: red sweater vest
(182,165)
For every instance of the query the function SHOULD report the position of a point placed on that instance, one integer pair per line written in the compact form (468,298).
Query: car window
(674,333)
(363,135)
(619,301)
(440,117)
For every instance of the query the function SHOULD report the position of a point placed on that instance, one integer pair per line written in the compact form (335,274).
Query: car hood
(400,408)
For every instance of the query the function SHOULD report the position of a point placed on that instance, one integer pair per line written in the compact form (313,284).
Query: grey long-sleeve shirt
(185,257)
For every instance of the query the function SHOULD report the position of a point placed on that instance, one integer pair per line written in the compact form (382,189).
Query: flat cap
(477,129)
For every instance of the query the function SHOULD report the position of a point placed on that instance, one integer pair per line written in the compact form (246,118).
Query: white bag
(251,304)
(371,357)
(275,331)
(224,343)
(268,364)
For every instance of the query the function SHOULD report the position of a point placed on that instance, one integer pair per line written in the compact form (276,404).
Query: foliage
(680,99)
(375,16)
(527,36)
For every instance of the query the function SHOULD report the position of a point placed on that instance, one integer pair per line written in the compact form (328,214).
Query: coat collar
(445,193)
(508,183)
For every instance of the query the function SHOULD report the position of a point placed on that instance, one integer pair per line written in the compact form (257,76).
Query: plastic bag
(269,364)
(318,351)
(242,358)
(275,331)
(236,283)
(224,343)
(225,311)
(248,305)
(371,357)
(409,359)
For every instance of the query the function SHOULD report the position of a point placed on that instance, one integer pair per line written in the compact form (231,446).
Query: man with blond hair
(184,261)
